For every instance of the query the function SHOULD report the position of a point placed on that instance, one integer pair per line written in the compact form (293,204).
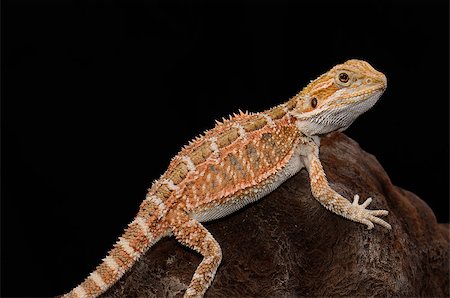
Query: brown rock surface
(288,245)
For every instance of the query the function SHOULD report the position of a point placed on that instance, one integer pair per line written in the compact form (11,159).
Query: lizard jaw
(339,116)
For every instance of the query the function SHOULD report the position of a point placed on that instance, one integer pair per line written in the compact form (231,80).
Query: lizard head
(335,99)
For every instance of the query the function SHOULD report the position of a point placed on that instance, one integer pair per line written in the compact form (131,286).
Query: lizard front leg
(194,235)
(330,198)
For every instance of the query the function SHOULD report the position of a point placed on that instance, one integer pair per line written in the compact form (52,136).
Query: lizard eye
(343,79)
(314,102)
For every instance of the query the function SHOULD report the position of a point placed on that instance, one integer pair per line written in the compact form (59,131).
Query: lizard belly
(252,194)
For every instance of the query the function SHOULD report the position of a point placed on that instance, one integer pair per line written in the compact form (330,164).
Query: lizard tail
(138,237)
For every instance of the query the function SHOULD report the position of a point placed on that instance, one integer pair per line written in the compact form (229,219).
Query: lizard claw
(366,216)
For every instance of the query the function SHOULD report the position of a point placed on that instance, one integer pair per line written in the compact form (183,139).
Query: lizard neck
(283,110)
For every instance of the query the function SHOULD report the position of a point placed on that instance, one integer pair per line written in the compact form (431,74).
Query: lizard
(239,161)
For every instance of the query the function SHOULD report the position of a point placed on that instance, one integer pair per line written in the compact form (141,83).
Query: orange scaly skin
(238,162)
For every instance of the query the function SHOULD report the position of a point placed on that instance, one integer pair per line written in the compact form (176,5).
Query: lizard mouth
(360,96)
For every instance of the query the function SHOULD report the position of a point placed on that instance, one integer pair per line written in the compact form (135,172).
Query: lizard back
(238,161)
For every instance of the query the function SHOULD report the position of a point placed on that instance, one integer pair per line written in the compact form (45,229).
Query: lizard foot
(359,213)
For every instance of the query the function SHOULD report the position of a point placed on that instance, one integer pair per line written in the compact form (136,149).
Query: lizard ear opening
(313,102)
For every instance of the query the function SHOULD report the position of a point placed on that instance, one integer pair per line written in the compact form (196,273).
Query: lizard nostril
(384,81)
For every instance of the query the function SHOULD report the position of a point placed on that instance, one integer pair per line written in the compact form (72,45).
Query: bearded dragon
(239,161)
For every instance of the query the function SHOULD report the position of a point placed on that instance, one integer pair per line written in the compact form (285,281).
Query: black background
(99,95)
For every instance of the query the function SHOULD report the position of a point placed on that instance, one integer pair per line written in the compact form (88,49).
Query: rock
(287,244)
